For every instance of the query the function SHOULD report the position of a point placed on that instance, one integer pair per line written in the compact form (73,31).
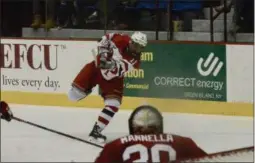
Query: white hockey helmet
(139,38)
(146,117)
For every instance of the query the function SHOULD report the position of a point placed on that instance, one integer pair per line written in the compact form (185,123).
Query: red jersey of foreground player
(148,143)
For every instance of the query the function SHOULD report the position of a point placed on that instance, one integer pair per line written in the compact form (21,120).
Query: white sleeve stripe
(111,35)
(130,65)
(126,66)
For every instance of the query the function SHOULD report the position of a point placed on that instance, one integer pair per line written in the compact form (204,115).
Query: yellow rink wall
(165,105)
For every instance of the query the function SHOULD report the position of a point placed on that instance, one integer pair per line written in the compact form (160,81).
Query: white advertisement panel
(42,65)
(240,73)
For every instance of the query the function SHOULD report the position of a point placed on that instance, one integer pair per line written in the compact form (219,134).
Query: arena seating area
(189,20)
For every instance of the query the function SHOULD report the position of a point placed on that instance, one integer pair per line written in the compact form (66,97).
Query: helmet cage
(130,120)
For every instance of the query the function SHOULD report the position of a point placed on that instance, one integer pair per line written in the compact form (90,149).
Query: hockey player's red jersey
(125,62)
(111,82)
(161,148)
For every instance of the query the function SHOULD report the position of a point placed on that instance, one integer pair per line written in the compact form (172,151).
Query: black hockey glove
(5,111)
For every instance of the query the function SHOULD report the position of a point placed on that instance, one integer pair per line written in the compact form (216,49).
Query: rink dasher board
(40,72)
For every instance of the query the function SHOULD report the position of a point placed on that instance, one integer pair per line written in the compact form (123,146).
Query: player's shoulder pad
(122,35)
(184,140)
(125,36)
(122,39)
(113,145)
(179,137)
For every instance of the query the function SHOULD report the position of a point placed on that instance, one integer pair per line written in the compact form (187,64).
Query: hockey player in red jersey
(116,55)
(148,143)
(5,111)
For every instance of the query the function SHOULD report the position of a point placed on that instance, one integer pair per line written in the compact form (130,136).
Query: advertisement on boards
(181,71)
(42,65)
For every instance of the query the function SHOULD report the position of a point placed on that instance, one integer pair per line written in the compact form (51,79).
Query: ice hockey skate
(96,135)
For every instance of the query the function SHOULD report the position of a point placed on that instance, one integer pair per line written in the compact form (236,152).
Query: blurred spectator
(59,13)
(244,15)
(113,14)
(135,14)
(86,9)
(125,16)
(66,15)
(243,18)
(37,10)
(188,10)
(183,11)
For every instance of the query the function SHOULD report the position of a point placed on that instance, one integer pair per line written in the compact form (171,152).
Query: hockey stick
(94,53)
(56,132)
(219,156)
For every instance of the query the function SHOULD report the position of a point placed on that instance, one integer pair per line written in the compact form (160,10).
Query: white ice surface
(21,142)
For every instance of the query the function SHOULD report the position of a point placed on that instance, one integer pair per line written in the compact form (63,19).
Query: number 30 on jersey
(154,152)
